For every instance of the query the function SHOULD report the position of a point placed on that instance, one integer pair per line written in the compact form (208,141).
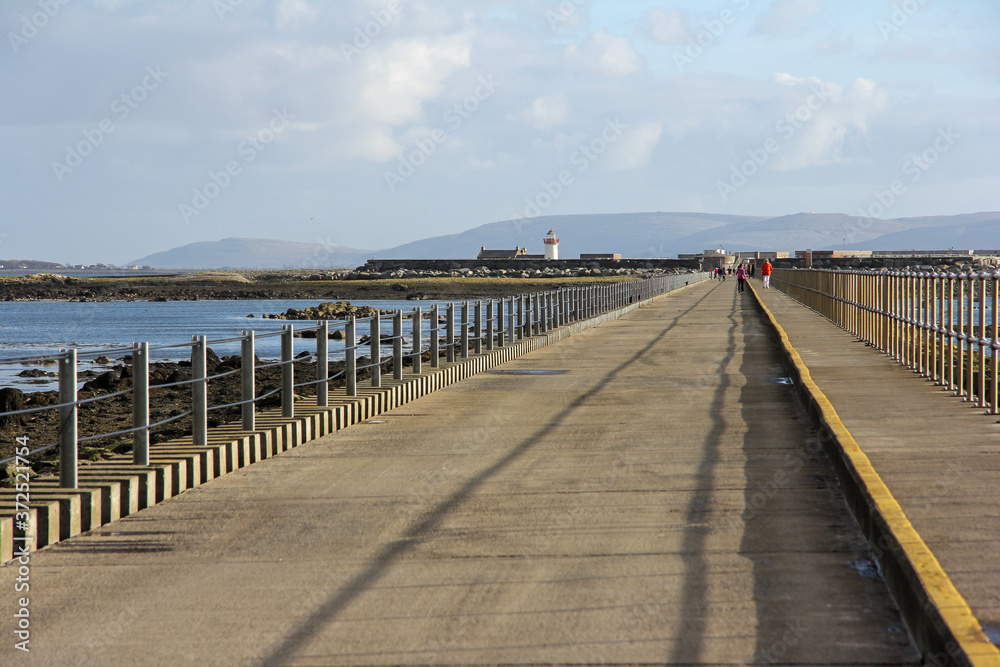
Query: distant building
(517,253)
(600,255)
(551,246)
(833,254)
(951,252)
(711,258)
(762,255)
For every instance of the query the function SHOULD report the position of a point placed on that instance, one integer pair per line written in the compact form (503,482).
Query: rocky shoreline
(115,414)
(325,286)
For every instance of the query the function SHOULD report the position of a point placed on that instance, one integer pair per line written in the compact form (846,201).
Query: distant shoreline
(238,285)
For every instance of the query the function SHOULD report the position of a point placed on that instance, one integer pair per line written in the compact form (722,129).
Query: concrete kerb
(116,488)
(939,620)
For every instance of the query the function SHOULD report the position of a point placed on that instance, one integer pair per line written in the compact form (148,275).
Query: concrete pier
(646,491)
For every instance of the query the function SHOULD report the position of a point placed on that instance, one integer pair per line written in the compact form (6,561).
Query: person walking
(765,273)
(741,278)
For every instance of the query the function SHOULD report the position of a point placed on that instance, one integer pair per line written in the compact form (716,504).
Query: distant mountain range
(630,234)
(237,253)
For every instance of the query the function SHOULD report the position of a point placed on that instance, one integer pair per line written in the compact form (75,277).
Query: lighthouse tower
(551,245)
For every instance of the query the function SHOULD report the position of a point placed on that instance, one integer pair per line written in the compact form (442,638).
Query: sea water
(34,328)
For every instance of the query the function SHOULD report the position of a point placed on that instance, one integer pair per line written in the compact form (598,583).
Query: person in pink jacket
(741,278)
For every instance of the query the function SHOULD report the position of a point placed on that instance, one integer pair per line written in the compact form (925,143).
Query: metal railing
(484,324)
(941,325)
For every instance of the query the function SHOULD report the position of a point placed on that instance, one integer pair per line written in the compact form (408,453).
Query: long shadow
(417,532)
(688,648)
(797,532)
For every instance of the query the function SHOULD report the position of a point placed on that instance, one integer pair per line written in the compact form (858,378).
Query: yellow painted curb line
(961,638)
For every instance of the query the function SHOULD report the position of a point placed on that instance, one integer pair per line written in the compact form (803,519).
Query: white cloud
(823,119)
(406,74)
(547,111)
(668,26)
(605,54)
(293,12)
(635,147)
(784,16)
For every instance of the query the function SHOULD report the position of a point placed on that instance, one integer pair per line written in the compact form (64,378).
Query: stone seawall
(521,265)
(950,263)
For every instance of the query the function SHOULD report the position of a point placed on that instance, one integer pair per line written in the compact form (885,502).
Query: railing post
(981,338)
(449,335)
(911,318)
(950,295)
(140,403)
(397,345)
(435,336)
(288,371)
(994,372)
(523,317)
(921,318)
(500,321)
(199,393)
(323,364)
(350,356)
(533,313)
(937,334)
(375,343)
(67,419)
(465,330)
(248,377)
(418,337)
(479,327)
(511,324)
(961,332)
(970,337)
(490,342)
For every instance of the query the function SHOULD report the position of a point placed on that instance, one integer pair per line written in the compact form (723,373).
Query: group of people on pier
(744,272)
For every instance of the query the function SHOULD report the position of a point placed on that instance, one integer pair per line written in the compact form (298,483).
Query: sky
(134,126)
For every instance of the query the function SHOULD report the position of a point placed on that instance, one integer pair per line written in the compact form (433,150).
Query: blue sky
(133,126)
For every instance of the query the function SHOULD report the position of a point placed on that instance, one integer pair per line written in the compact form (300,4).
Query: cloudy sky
(133,126)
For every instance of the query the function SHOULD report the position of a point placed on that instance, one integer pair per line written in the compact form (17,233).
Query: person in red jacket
(765,273)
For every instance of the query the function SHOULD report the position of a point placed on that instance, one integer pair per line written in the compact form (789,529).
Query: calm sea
(30,328)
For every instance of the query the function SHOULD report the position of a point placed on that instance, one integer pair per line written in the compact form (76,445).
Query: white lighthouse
(551,245)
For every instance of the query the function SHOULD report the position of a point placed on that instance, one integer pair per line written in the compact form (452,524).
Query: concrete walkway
(643,492)
(938,455)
